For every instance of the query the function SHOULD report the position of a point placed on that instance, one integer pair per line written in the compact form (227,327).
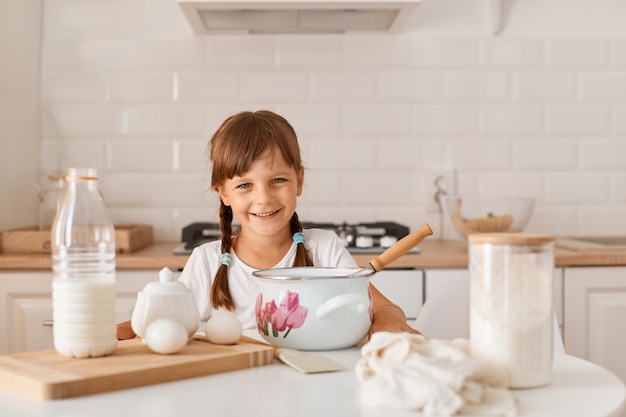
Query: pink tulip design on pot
(288,315)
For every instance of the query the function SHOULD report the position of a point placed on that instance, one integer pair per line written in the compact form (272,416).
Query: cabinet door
(403,287)
(26,322)
(26,297)
(595,313)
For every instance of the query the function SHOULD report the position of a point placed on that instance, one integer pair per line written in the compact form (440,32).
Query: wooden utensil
(394,252)
(305,362)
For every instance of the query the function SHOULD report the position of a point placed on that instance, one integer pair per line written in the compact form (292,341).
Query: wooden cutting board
(47,375)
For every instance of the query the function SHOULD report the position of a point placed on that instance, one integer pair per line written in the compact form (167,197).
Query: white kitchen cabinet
(403,287)
(433,278)
(26,303)
(595,316)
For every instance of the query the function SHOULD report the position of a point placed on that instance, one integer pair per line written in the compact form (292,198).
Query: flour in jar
(520,348)
(511,317)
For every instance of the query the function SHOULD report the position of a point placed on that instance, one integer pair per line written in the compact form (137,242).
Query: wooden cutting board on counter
(47,375)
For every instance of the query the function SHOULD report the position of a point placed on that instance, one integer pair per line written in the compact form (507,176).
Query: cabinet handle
(48,323)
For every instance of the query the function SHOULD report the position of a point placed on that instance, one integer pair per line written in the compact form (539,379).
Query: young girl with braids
(257,171)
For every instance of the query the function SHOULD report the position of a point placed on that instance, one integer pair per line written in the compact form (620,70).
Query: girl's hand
(389,318)
(124,331)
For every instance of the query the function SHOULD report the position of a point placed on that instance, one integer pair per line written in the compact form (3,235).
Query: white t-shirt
(324,247)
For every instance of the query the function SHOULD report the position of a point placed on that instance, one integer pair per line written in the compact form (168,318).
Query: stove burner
(358,238)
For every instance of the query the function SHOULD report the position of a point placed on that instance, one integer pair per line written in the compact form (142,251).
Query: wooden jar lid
(514,239)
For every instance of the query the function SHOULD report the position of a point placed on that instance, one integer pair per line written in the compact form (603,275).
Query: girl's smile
(266,214)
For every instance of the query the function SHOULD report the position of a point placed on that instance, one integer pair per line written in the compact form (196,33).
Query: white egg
(165,336)
(223,328)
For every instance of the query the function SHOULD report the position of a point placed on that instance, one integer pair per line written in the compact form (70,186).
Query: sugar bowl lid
(165,284)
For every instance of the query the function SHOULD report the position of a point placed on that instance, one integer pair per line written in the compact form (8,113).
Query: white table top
(578,388)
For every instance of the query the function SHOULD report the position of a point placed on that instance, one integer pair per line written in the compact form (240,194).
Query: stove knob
(364,242)
(387,241)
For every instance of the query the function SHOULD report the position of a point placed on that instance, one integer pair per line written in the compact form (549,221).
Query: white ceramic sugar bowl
(165,299)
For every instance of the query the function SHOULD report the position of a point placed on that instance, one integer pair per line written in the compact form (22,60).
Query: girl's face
(264,198)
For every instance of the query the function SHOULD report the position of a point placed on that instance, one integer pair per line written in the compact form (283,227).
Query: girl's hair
(237,143)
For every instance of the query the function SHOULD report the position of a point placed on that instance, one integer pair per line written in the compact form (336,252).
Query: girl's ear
(300,181)
(223,196)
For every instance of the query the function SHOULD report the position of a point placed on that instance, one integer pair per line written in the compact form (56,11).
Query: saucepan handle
(361,303)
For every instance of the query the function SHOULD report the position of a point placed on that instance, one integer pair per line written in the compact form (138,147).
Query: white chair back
(445,315)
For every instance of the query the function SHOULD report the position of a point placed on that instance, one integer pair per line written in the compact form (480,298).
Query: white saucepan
(313,308)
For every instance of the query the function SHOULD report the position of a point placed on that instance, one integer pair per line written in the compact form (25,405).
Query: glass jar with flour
(511,312)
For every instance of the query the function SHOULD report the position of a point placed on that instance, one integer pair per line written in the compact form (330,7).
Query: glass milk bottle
(83,262)
(511,313)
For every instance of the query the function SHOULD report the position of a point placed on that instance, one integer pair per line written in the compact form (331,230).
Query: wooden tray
(31,240)
(46,375)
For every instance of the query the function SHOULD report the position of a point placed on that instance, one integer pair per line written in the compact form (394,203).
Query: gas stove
(358,238)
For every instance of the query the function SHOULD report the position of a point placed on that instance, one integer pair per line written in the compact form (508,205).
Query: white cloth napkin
(435,377)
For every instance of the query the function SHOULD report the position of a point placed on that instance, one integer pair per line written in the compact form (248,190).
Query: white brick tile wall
(513,52)
(473,85)
(342,155)
(618,53)
(273,85)
(555,219)
(81,152)
(49,158)
(530,112)
(545,86)
(342,86)
(376,51)
(512,184)
(445,52)
(75,120)
(545,154)
(321,51)
(577,188)
(313,120)
(324,189)
(125,53)
(374,187)
(604,86)
(410,85)
(478,155)
(377,120)
(578,52)
(239,52)
(618,188)
(513,120)
(141,86)
(606,154)
(578,119)
(449,119)
(75,87)
(147,189)
(140,155)
(191,156)
(410,154)
(602,220)
(618,120)
(206,86)
(166,120)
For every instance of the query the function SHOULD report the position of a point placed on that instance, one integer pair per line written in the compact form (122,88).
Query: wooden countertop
(433,254)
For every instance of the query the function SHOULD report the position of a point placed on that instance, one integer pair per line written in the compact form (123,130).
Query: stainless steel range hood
(294,16)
